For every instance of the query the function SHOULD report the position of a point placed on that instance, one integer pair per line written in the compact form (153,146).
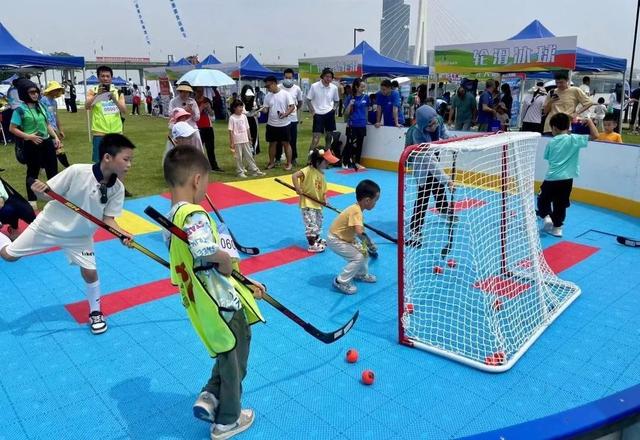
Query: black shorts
(324,123)
(278,134)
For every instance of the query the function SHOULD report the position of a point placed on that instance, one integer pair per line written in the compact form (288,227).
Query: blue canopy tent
(374,64)
(251,69)
(586,60)
(93,80)
(208,61)
(181,62)
(14,55)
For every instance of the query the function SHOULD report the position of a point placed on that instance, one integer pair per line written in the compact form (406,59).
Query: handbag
(21,156)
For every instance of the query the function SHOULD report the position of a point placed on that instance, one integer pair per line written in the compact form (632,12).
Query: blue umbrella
(207,78)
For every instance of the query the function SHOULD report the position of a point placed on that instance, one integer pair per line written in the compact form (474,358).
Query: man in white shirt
(279,104)
(289,86)
(322,100)
(98,190)
(532,107)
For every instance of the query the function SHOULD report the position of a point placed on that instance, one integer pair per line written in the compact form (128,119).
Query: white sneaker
(205,407)
(316,247)
(547,224)
(222,432)
(97,324)
(242,175)
(258,173)
(346,288)
(366,277)
(556,232)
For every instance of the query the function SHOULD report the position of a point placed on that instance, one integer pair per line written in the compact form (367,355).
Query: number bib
(226,242)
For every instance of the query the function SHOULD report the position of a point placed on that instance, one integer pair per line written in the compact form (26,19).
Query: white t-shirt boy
(278,103)
(60,226)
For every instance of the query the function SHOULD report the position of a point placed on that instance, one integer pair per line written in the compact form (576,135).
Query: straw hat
(53,85)
(184,87)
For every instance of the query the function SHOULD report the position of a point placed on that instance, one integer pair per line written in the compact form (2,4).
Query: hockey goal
(473,282)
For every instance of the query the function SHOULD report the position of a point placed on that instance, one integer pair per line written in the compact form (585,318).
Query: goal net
(474,285)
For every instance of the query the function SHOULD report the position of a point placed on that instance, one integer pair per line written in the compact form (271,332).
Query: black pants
(209,141)
(353,149)
(553,200)
(149,107)
(67,104)
(634,114)
(430,186)
(293,141)
(253,130)
(135,109)
(38,157)
(72,104)
(6,121)
(14,209)
(616,114)
(532,126)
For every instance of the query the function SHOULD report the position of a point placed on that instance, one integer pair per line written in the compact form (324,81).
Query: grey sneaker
(97,324)
(346,288)
(221,432)
(556,232)
(367,278)
(547,224)
(205,407)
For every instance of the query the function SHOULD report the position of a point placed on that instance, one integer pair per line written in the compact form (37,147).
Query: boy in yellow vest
(220,309)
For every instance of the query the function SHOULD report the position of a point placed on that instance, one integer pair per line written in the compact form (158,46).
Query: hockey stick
(243,249)
(626,241)
(326,205)
(445,250)
(105,226)
(327,338)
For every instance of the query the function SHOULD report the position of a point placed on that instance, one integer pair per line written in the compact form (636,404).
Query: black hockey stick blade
(326,205)
(243,249)
(627,241)
(326,337)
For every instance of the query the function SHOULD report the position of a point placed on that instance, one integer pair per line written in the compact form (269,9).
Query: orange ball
(451,263)
(437,270)
(352,355)
(367,377)
(408,308)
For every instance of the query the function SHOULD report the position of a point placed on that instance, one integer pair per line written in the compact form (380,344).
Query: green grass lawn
(149,134)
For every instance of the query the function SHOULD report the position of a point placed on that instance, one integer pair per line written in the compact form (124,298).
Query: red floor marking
(461,205)
(124,299)
(501,287)
(296,199)
(225,196)
(352,171)
(563,255)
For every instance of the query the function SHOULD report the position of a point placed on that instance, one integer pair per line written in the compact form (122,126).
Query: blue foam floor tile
(289,417)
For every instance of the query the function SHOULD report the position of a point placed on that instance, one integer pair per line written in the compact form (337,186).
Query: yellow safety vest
(202,309)
(105,115)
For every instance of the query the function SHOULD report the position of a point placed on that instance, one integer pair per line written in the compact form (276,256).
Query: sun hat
(184,87)
(53,85)
(178,113)
(182,130)
(328,156)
